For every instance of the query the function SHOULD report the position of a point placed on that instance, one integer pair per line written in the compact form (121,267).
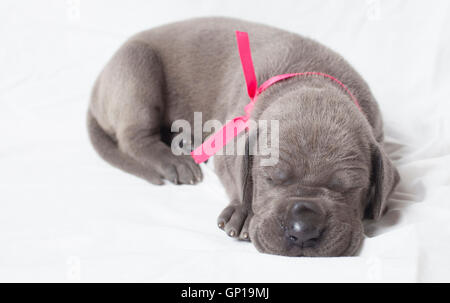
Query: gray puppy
(332,172)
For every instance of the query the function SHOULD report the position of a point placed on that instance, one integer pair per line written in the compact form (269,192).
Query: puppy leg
(108,150)
(131,87)
(236,217)
(147,148)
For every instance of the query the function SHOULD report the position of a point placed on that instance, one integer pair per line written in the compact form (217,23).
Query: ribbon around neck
(233,128)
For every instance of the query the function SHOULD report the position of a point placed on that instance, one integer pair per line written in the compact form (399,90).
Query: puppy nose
(305,222)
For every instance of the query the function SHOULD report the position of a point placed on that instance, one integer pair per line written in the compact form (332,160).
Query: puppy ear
(384,178)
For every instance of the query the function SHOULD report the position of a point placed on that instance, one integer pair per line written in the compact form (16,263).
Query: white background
(66,215)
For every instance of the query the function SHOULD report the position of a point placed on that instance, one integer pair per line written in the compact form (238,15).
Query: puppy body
(168,73)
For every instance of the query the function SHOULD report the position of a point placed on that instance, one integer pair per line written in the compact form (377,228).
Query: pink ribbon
(233,128)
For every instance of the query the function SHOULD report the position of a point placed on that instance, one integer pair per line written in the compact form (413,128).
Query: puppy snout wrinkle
(305,222)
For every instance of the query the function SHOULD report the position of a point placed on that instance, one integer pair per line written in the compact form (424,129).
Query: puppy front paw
(235,220)
(181,170)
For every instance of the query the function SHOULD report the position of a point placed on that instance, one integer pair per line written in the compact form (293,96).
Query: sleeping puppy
(332,170)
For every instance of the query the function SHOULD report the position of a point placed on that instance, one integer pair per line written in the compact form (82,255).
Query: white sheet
(65,215)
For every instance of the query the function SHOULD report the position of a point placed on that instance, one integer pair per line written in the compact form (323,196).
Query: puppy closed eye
(343,181)
(276,176)
(338,184)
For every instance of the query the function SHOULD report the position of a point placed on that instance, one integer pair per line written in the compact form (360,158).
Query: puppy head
(330,174)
